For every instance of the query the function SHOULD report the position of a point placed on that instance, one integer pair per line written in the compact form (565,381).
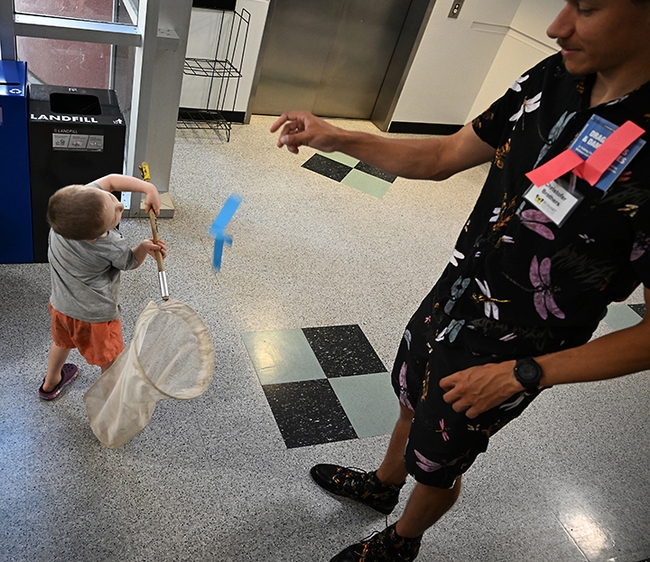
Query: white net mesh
(171,356)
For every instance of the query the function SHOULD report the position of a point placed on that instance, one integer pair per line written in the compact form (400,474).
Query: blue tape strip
(226,213)
(218,226)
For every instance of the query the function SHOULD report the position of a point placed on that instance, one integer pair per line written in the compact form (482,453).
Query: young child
(86,254)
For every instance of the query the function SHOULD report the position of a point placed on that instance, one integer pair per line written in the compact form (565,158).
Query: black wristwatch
(528,373)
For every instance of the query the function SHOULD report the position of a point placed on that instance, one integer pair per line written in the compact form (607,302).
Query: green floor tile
(342,158)
(369,402)
(620,316)
(282,356)
(366,183)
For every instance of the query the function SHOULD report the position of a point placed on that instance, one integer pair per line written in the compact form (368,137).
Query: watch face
(527,371)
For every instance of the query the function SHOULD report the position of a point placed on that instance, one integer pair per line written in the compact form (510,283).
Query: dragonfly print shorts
(443,443)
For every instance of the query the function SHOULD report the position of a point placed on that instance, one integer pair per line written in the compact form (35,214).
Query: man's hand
(301,128)
(478,389)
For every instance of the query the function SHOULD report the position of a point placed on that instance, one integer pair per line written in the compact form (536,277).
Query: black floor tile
(368,169)
(327,167)
(640,309)
(343,350)
(308,413)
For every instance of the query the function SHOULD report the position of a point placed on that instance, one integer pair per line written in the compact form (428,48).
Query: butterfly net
(170,356)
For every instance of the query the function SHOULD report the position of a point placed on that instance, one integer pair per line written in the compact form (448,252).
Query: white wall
(464,64)
(452,61)
(258,10)
(204,26)
(533,18)
(461,66)
(524,45)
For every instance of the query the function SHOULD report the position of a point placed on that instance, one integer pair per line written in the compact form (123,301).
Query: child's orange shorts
(98,342)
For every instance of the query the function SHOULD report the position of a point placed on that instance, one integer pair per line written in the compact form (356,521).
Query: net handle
(162,278)
(155,238)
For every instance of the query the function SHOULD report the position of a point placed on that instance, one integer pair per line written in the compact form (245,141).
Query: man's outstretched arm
(435,158)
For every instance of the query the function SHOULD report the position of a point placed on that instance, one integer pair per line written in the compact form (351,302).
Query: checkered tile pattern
(351,172)
(323,384)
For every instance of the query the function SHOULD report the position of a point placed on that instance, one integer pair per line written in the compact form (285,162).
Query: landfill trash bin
(76,135)
(15,199)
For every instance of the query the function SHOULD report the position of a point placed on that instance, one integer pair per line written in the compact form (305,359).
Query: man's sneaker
(364,487)
(69,373)
(386,546)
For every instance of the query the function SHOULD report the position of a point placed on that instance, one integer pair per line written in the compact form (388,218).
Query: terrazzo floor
(305,314)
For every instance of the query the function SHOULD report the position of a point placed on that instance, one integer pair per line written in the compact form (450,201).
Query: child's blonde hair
(77,212)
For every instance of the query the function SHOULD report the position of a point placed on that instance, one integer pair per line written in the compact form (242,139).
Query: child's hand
(162,248)
(153,247)
(149,247)
(152,199)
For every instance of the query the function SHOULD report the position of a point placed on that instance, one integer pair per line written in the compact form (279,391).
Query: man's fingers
(461,405)
(292,140)
(289,118)
(449,397)
(291,126)
(279,122)
(447,383)
(472,413)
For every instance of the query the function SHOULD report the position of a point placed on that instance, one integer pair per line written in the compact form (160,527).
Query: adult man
(515,308)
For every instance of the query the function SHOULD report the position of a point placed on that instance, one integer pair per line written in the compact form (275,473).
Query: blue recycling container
(15,194)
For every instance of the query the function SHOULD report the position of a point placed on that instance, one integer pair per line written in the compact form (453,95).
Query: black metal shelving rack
(223,72)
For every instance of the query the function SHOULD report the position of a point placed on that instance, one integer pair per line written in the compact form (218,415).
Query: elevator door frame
(409,39)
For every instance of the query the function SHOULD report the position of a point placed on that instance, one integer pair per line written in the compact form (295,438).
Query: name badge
(613,161)
(555,199)
(599,154)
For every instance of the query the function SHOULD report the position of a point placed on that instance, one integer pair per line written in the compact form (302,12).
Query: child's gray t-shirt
(86,275)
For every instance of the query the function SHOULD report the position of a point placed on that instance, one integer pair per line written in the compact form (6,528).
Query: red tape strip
(595,166)
(553,169)
(605,155)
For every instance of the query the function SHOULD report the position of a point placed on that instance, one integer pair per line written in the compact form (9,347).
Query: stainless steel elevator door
(327,56)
